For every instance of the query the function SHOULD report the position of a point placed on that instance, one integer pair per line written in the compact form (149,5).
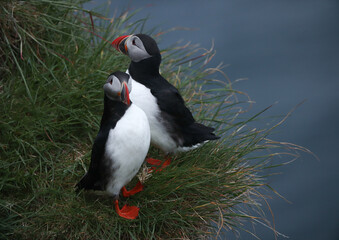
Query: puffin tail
(87,182)
(197,134)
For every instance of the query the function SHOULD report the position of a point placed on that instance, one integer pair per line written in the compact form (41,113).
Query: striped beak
(119,44)
(125,94)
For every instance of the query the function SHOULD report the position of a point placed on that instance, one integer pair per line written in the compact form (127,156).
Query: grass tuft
(55,58)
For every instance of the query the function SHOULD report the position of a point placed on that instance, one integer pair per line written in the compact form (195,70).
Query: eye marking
(110,81)
(133,42)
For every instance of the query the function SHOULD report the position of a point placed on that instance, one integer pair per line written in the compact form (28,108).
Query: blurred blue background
(288,51)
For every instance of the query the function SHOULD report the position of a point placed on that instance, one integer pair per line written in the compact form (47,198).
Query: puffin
(120,146)
(173,128)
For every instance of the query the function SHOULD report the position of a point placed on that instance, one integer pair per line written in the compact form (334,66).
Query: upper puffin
(172,125)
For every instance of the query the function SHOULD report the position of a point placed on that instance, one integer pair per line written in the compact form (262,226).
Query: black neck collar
(145,68)
(113,111)
(110,106)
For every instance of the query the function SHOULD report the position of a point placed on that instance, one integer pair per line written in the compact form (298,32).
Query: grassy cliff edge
(55,58)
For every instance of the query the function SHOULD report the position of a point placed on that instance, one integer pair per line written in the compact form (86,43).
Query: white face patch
(112,88)
(136,49)
(129,85)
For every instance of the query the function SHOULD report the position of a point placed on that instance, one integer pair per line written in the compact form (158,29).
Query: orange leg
(128,212)
(157,162)
(138,188)
(153,161)
(165,164)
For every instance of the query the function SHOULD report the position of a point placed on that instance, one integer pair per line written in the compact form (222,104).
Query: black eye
(110,81)
(133,42)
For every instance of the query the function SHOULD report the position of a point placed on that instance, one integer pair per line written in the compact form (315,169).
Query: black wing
(99,173)
(171,103)
(95,177)
(173,109)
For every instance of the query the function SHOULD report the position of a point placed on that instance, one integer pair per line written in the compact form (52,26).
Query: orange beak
(125,94)
(119,44)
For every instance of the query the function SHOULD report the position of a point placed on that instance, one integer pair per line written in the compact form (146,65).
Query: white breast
(143,98)
(127,146)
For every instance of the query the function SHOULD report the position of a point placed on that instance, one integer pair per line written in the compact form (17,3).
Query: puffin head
(137,46)
(118,86)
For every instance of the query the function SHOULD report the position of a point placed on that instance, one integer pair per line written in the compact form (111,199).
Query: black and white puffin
(173,128)
(121,145)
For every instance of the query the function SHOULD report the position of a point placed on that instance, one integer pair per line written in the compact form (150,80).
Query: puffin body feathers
(173,127)
(119,148)
(127,146)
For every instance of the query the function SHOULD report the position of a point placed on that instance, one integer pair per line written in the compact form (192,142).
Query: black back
(99,172)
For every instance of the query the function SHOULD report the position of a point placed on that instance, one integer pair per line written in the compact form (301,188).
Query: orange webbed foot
(165,164)
(128,212)
(154,161)
(157,162)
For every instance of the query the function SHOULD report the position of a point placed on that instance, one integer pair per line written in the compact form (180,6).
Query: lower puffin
(120,146)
